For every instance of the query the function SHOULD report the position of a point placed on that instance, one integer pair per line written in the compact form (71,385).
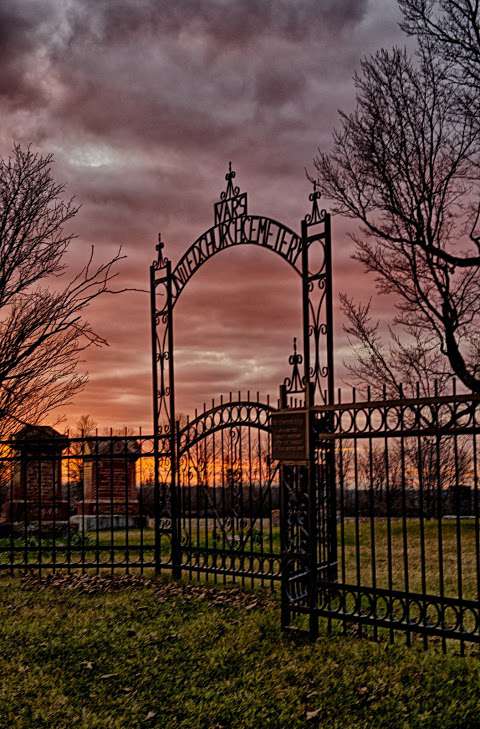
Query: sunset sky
(143,103)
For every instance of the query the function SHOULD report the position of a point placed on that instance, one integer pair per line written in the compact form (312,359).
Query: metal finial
(231,173)
(316,215)
(295,358)
(159,248)
(231,191)
(232,202)
(294,382)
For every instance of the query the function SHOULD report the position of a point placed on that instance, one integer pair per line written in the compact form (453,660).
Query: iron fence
(407,509)
(106,503)
(383,540)
(228,487)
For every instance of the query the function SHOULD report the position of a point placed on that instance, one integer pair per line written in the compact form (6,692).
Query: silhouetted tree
(43,332)
(452,29)
(405,166)
(405,367)
(84,427)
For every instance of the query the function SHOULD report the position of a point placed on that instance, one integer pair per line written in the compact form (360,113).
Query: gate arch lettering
(235,226)
(255,230)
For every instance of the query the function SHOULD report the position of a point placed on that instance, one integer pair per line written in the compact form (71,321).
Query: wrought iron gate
(207,490)
(407,505)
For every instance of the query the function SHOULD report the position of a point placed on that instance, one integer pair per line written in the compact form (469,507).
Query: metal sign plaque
(290,436)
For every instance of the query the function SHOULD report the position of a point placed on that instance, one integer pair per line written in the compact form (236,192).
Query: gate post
(318,359)
(292,441)
(284,506)
(311,470)
(331,477)
(156,434)
(163,378)
(174,497)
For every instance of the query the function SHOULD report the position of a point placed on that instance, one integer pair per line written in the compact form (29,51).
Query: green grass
(355,553)
(144,657)
(424,567)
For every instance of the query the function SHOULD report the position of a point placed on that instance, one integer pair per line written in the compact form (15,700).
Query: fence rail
(408,530)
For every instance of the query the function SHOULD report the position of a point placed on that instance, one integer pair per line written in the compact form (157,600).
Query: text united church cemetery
(233,226)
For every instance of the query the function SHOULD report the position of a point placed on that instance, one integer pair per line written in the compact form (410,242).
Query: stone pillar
(109,480)
(36,494)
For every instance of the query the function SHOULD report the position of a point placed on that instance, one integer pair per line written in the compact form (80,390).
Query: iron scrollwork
(317,276)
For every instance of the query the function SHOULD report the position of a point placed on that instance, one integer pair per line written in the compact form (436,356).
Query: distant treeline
(255,501)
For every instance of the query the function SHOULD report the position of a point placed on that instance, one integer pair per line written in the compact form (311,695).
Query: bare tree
(452,28)
(84,428)
(405,167)
(43,332)
(409,365)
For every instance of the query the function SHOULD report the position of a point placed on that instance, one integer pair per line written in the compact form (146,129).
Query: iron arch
(236,414)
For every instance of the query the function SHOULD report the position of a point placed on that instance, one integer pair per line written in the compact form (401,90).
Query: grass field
(428,569)
(209,659)
(429,566)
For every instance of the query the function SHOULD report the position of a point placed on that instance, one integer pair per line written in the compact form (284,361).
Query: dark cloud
(222,22)
(160,69)
(23,38)
(278,86)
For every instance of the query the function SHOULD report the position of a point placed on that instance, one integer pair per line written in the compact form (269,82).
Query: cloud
(157,71)
(143,103)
